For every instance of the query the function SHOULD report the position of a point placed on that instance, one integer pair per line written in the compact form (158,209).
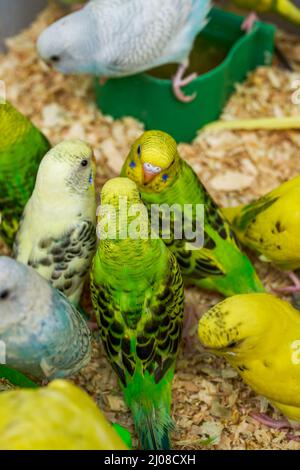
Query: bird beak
(148,176)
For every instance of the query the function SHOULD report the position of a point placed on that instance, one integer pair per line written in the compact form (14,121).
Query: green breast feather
(22,147)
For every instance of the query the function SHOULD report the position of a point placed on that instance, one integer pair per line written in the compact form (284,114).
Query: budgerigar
(271,226)
(57,235)
(137,294)
(165,178)
(44,335)
(22,146)
(259,335)
(117,38)
(60,416)
(285,8)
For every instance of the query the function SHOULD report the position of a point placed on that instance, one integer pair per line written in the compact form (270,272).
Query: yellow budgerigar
(284,8)
(58,417)
(259,335)
(271,226)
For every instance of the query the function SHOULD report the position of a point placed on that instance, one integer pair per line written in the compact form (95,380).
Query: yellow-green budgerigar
(137,294)
(22,146)
(285,8)
(60,416)
(163,177)
(259,334)
(271,226)
(57,234)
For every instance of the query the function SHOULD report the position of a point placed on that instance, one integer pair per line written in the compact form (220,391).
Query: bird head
(119,187)
(18,284)
(244,325)
(121,205)
(68,43)
(68,168)
(153,162)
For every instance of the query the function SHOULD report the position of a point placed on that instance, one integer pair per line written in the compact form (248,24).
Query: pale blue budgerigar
(117,38)
(44,335)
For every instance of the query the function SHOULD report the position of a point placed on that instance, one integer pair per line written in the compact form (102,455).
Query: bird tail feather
(153,426)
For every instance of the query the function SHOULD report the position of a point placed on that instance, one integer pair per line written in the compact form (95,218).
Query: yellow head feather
(153,161)
(119,187)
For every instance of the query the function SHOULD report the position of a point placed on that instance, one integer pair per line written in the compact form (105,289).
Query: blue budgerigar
(44,335)
(117,38)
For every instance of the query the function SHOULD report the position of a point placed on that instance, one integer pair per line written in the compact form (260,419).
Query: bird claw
(93,326)
(102,81)
(179,81)
(293,437)
(290,289)
(249,22)
(270,422)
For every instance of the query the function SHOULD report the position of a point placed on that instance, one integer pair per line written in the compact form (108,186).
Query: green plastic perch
(272,124)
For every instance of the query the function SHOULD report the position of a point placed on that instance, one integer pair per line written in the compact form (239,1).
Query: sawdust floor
(211,404)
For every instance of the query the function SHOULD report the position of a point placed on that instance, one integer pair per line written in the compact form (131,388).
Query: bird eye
(4,294)
(84,163)
(232,344)
(55,58)
(139,150)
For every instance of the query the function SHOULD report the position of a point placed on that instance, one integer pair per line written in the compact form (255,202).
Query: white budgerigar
(57,234)
(117,38)
(44,335)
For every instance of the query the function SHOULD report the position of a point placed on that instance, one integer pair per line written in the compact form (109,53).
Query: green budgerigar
(163,177)
(137,294)
(22,146)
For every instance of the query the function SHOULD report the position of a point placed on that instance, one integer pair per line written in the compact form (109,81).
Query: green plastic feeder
(16,378)
(151,100)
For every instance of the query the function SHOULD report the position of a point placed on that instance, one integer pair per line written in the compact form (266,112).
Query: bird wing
(64,259)
(65,355)
(271,227)
(141,329)
(206,261)
(143,36)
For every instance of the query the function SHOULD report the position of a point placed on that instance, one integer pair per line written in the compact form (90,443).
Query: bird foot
(103,80)
(293,437)
(291,289)
(93,326)
(179,81)
(249,22)
(270,422)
